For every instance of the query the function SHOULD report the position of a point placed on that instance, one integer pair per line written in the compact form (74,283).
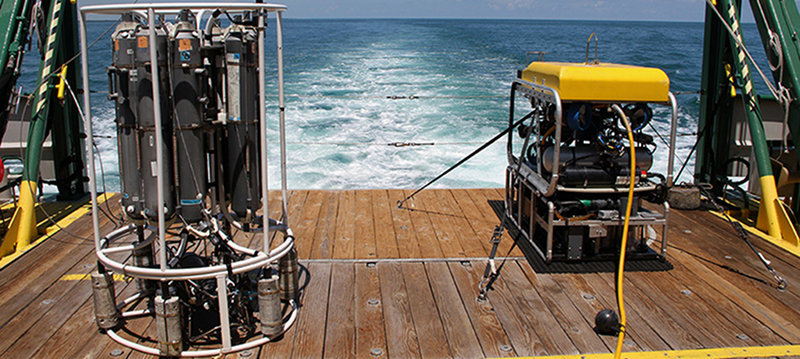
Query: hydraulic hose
(623,245)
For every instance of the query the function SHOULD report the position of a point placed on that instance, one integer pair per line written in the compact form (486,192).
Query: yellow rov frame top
(600,81)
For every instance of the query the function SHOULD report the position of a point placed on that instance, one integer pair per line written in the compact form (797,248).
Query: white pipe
(282,109)
(162,235)
(208,352)
(87,109)
(137,313)
(197,273)
(224,317)
(672,134)
(262,120)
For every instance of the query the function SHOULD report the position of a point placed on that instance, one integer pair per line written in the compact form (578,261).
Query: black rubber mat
(539,266)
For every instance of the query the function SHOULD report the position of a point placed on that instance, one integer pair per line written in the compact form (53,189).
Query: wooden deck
(386,282)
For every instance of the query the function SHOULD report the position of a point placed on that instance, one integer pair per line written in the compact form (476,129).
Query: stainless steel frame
(258,258)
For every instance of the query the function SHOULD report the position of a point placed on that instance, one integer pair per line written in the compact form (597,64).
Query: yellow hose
(620,299)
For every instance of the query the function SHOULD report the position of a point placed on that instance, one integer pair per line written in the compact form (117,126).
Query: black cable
(465,159)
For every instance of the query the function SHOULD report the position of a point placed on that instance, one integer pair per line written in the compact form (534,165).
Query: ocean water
(340,75)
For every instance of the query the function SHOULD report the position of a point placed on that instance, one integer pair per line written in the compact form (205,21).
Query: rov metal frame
(220,273)
(520,177)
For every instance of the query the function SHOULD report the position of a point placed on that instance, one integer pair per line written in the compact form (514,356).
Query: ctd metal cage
(143,248)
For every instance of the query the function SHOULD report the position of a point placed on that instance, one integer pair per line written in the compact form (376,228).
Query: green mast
(54,115)
(726,68)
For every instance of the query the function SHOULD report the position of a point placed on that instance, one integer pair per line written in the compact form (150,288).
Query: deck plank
(460,335)
(721,245)
(344,233)
(458,225)
(401,338)
(693,313)
(405,233)
(475,219)
(430,246)
(370,330)
(340,331)
(590,302)
(579,330)
(305,225)
(652,312)
(385,238)
(516,317)
(487,326)
(427,320)
(763,308)
(364,226)
(324,232)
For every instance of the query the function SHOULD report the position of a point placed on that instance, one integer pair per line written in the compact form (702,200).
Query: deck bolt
(245,353)
(466,264)
(728,257)
(686,292)
(371,264)
(742,337)
(376,352)
(505,348)
(588,296)
(47,301)
(687,231)
(116,352)
(373,302)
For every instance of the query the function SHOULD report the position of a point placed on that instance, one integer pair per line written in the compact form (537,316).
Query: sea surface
(354,87)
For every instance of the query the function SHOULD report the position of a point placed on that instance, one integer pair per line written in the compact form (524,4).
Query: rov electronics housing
(187,81)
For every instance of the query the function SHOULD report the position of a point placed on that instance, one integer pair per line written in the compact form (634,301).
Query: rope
(775,92)
(465,159)
(395,97)
(384,144)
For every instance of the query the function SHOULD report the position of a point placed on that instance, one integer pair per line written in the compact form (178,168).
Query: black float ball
(606,322)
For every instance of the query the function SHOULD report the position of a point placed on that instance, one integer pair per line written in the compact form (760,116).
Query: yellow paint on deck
(50,230)
(750,352)
(87,276)
(762,235)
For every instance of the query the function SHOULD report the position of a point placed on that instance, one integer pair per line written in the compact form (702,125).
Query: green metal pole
(772,216)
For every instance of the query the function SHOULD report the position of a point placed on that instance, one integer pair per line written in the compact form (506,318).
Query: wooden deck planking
(401,336)
(370,329)
(408,245)
(488,329)
(424,311)
(340,330)
(427,307)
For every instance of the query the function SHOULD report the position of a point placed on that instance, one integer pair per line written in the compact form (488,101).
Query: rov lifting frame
(220,273)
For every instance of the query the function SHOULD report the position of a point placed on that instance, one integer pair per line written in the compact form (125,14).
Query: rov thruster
(211,269)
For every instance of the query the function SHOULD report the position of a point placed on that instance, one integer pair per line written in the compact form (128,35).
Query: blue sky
(649,10)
